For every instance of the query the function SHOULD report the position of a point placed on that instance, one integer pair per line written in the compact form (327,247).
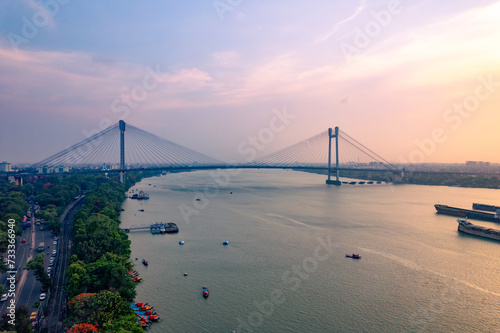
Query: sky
(415,81)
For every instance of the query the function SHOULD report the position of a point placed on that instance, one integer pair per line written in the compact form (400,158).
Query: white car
(42,296)
(4,298)
(54,242)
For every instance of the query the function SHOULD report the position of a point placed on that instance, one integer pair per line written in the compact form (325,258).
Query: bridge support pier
(329,181)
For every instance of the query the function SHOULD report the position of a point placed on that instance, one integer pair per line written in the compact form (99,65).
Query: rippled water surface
(285,269)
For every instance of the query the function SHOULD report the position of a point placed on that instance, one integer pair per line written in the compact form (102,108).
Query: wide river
(285,268)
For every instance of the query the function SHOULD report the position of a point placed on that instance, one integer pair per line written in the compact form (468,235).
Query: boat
(488,208)
(467,213)
(146,196)
(225,243)
(477,230)
(353,256)
(205,292)
(134,196)
(171,228)
(181,242)
(145,262)
(141,210)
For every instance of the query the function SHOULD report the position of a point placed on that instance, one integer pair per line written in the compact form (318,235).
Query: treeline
(13,205)
(459,181)
(99,287)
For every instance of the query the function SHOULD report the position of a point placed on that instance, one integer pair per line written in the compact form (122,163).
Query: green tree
(78,279)
(22,323)
(37,266)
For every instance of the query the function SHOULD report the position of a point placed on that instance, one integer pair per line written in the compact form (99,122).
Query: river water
(285,269)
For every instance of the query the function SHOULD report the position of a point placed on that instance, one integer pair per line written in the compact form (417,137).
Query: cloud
(337,26)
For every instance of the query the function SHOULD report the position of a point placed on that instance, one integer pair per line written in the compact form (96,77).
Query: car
(52,259)
(33,315)
(49,269)
(4,298)
(51,264)
(54,242)
(23,240)
(54,252)
(56,238)
(42,296)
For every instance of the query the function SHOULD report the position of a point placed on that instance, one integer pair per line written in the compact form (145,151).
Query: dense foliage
(99,286)
(99,263)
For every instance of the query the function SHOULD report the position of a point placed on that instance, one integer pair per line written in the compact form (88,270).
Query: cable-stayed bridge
(123,147)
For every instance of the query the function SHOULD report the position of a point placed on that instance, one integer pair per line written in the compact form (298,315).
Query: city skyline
(413,82)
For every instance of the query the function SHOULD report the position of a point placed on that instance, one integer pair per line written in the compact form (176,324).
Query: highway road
(27,290)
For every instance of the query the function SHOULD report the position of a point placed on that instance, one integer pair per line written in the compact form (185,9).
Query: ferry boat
(477,230)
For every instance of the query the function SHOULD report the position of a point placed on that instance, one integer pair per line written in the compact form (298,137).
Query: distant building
(61,169)
(45,169)
(5,167)
(477,164)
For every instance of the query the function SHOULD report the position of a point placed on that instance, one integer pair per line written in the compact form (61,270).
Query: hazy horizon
(414,82)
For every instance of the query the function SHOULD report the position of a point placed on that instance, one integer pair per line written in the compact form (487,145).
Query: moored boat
(467,213)
(477,230)
(488,208)
(205,292)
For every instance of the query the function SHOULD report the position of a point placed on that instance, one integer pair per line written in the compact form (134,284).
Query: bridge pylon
(329,181)
(122,150)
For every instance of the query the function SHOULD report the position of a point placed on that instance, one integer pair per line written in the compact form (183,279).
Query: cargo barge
(472,229)
(487,208)
(467,213)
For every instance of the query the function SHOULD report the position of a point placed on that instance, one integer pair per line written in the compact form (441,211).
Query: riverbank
(434,180)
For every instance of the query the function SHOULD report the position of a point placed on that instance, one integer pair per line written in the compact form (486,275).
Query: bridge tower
(336,136)
(122,150)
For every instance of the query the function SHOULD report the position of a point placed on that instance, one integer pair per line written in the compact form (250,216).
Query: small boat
(181,242)
(198,199)
(353,256)
(141,210)
(137,279)
(205,292)
(225,243)
(145,262)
